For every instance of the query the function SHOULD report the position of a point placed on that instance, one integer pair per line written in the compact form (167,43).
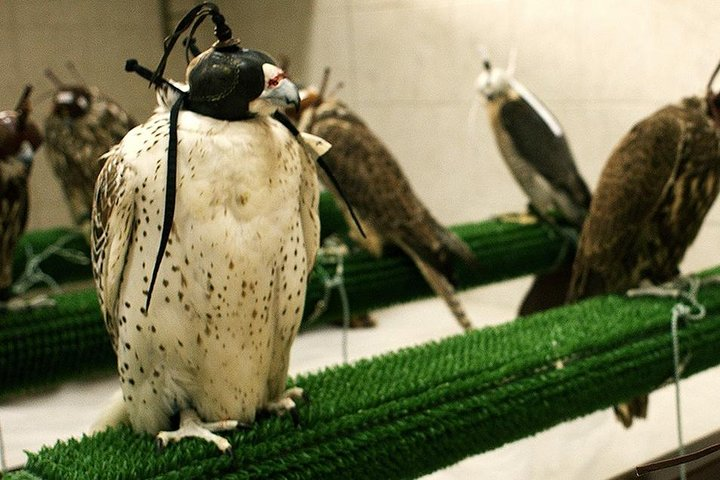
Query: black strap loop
(192,20)
(170,187)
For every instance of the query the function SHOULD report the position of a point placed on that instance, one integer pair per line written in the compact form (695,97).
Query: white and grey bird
(533,144)
(19,140)
(82,126)
(212,344)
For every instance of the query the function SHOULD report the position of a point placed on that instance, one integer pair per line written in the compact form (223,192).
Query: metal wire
(688,308)
(335,251)
(34,275)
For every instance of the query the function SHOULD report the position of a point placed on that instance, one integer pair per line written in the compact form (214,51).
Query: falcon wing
(545,149)
(379,191)
(635,179)
(113,228)
(314,147)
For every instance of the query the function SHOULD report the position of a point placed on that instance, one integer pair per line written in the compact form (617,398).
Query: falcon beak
(283,95)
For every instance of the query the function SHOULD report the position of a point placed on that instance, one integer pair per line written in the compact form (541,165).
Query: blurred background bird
(81,127)
(533,145)
(650,202)
(19,140)
(386,205)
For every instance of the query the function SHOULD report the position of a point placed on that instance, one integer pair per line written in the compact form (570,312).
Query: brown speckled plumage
(76,139)
(652,197)
(383,199)
(19,139)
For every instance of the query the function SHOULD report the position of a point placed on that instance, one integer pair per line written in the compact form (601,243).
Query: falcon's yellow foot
(287,404)
(192,426)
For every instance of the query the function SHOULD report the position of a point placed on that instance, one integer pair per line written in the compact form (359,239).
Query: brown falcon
(19,139)
(534,147)
(386,205)
(650,202)
(213,345)
(82,126)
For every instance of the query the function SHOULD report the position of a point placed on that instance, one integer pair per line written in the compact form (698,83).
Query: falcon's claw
(159,445)
(287,404)
(295,415)
(243,426)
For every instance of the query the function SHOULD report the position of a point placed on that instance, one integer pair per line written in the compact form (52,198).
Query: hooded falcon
(652,196)
(19,140)
(534,147)
(386,205)
(212,344)
(81,127)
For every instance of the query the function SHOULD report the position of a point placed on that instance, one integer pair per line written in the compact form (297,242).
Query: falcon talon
(159,445)
(243,426)
(295,415)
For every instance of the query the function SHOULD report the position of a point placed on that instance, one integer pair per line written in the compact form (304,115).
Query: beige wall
(408,67)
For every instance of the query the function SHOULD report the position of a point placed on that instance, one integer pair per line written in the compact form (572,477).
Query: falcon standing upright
(213,344)
(82,126)
(649,205)
(19,140)
(386,205)
(534,146)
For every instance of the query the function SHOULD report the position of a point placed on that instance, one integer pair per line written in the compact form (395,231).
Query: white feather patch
(537,105)
(316,144)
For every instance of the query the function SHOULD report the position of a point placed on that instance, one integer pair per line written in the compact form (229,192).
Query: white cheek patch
(270,72)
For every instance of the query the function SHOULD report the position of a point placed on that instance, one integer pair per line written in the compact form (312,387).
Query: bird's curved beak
(283,95)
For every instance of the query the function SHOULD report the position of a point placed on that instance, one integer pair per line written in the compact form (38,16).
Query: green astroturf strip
(46,345)
(540,240)
(412,412)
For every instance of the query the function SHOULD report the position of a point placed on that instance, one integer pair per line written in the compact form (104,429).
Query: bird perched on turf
(386,205)
(82,126)
(19,140)
(202,275)
(534,146)
(650,202)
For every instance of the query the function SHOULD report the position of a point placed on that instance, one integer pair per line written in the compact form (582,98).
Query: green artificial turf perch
(409,413)
(69,340)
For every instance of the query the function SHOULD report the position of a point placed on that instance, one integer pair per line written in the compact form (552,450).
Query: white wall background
(408,68)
